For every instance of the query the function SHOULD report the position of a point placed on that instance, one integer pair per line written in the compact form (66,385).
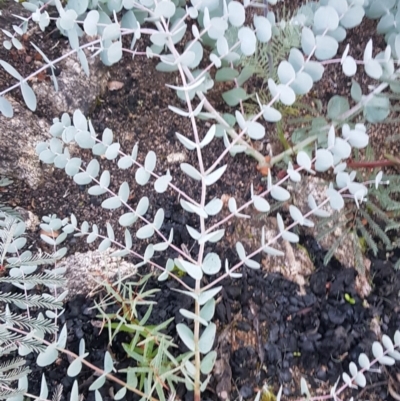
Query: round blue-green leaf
(234,96)
(104,245)
(114,52)
(127,219)
(215,60)
(377,350)
(296,59)
(326,47)
(291,237)
(111,203)
(84,139)
(223,48)
(82,178)
(93,168)
(339,34)
(358,139)
(205,296)
(161,183)
(352,17)
(144,232)
(193,270)
(272,251)
(303,160)
(386,24)
(150,161)
(120,393)
(75,368)
(29,96)
(90,23)
(255,130)
(73,166)
(180,31)
(286,72)
(314,69)
(187,58)
(349,66)
(159,218)
(296,214)
(337,105)
(342,149)
(47,156)
(190,171)
(263,28)
(125,162)
(373,68)
(326,17)
(108,362)
(248,41)
(240,250)
(208,310)
(281,225)
(197,49)
(142,176)
(217,28)
(340,6)
(7,44)
(280,194)
(98,383)
(111,32)
(80,6)
(307,41)
(17,244)
(324,160)
(271,115)
(377,109)
(159,38)
(302,84)
(226,74)
(5,107)
(68,134)
(123,192)
(207,364)
(11,70)
(213,177)
(164,9)
(272,86)
(79,120)
(60,161)
(107,137)
(67,20)
(114,5)
(105,179)
(237,13)
(48,356)
(261,204)
(335,199)
(214,207)
(143,206)
(287,95)
(112,151)
(211,264)
(207,338)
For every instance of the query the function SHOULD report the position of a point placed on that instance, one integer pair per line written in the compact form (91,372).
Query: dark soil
(268,333)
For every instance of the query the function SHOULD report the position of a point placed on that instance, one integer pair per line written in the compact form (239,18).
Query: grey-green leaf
(211,264)
(186,336)
(207,338)
(5,107)
(111,203)
(29,96)
(11,70)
